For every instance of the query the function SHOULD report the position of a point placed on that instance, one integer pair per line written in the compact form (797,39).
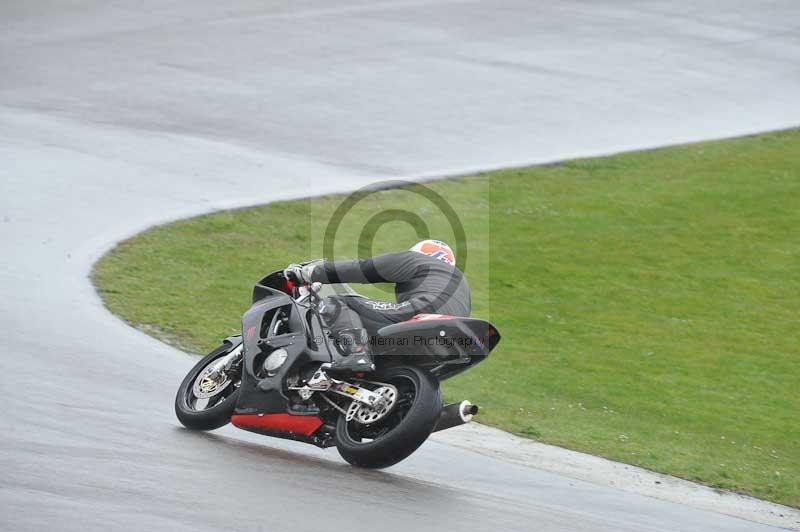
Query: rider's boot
(354,345)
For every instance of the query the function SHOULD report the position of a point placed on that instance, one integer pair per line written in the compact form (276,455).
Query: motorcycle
(272,378)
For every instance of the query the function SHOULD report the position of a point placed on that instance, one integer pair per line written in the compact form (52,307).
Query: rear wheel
(207,396)
(400,432)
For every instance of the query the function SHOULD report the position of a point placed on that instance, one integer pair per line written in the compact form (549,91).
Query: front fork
(224,364)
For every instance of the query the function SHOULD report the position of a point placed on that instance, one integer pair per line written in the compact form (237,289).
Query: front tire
(214,411)
(403,430)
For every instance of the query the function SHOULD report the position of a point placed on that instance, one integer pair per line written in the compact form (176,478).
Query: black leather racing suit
(423,285)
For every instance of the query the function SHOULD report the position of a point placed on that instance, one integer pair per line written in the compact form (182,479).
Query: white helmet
(436,249)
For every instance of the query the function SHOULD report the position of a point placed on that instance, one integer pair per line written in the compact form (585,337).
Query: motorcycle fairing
(274,322)
(282,424)
(446,345)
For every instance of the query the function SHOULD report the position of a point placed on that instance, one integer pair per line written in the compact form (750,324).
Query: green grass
(649,302)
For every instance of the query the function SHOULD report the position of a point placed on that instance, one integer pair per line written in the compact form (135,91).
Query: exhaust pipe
(455,414)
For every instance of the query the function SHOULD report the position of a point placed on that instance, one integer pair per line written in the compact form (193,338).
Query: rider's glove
(299,274)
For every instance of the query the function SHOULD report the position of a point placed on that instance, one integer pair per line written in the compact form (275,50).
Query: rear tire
(215,416)
(403,438)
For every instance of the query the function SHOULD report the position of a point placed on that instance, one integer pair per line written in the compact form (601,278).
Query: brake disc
(210,382)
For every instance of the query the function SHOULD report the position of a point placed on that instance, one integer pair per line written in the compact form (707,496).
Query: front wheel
(207,396)
(400,432)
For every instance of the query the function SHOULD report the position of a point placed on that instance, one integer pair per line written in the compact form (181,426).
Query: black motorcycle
(272,379)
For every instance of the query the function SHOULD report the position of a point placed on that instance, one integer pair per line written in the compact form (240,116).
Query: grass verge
(649,302)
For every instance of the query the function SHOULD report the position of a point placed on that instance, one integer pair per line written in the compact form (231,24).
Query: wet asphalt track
(118,115)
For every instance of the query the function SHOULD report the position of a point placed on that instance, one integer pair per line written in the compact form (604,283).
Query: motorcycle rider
(426,279)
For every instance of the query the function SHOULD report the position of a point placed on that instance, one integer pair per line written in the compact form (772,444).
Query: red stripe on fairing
(429,317)
(305,425)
